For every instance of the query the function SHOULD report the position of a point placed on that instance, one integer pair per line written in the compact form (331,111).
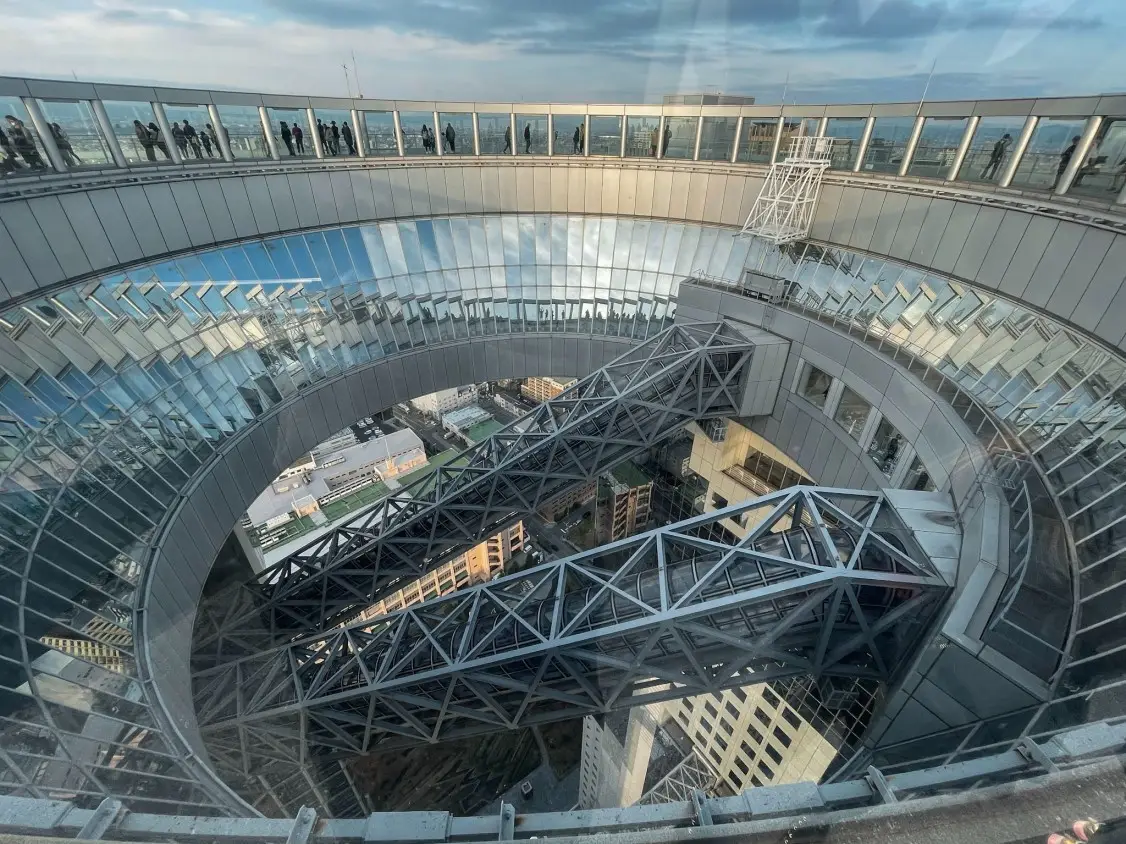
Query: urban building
(558,507)
(103,643)
(624,496)
(708,98)
(543,389)
(445,401)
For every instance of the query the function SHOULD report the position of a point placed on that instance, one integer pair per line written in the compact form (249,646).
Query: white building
(444,401)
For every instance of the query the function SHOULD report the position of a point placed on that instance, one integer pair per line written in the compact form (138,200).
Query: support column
(220,134)
(398,132)
(550,134)
(311,118)
(1018,151)
(476,135)
(699,137)
(661,138)
(625,130)
(822,125)
(271,144)
(166,132)
(777,138)
(440,138)
(912,142)
(512,129)
(738,139)
(862,147)
(963,147)
(1082,150)
(586,135)
(359,135)
(107,132)
(43,129)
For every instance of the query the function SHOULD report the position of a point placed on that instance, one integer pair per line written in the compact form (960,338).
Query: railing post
(107,132)
(738,137)
(476,135)
(624,129)
(699,136)
(358,135)
(440,138)
(550,135)
(661,138)
(586,135)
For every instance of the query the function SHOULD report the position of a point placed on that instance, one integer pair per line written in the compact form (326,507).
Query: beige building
(624,498)
(102,646)
(558,506)
(542,389)
(446,401)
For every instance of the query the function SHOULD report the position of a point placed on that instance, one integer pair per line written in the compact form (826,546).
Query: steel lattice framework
(783,210)
(826,582)
(691,774)
(685,373)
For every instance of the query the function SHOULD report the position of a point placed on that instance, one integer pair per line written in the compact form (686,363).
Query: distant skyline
(581,50)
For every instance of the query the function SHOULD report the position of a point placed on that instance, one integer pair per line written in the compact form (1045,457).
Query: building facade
(444,401)
(543,388)
(624,498)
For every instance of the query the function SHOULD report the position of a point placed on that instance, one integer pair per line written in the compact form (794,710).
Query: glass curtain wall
(605,135)
(531,134)
(133,124)
(888,144)
(291,143)
(680,137)
(76,132)
(642,135)
(495,132)
(455,133)
(937,147)
(846,133)
(717,138)
(379,131)
(1103,174)
(1048,153)
(243,128)
(339,135)
(20,147)
(571,139)
(758,139)
(990,149)
(189,133)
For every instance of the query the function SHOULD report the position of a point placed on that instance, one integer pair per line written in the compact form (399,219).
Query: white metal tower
(783,211)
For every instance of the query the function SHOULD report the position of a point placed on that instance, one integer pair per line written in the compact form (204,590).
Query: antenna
(927,86)
(356,73)
(347,82)
(785,90)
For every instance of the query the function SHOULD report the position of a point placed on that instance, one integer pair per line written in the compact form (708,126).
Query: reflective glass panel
(20,148)
(938,144)
(605,135)
(290,128)
(990,149)
(455,131)
(717,138)
(680,137)
(531,130)
(846,132)
(338,132)
(1104,172)
(641,135)
(379,131)
(131,126)
(186,123)
(758,139)
(495,132)
(1049,152)
(852,413)
(888,143)
(76,133)
(815,385)
(885,447)
(917,477)
(243,127)
(572,128)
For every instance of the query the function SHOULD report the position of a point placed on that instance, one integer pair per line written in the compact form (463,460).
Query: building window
(791,718)
(767,772)
(755,781)
(754,734)
(732,710)
(852,413)
(773,753)
(706,724)
(741,765)
(762,716)
(885,446)
(721,741)
(688,704)
(736,781)
(714,755)
(711,710)
(782,737)
(718,501)
(740,695)
(815,386)
(918,478)
(770,697)
(724,726)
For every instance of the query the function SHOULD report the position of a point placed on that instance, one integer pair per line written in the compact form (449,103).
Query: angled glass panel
(339,137)
(717,138)
(642,135)
(379,132)
(1104,172)
(21,151)
(130,122)
(455,132)
(186,122)
(990,148)
(845,132)
(243,128)
(757,139)
(76,133)
(418,133)
(290,128)
(605,135)
(680,137)
(495,130)
(531,131)
(885,447)
(852,413)
(1049,152)
(937,147)
(887,144)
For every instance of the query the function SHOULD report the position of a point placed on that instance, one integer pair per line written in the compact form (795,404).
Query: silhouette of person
(180,140)
(159,140)
(334,138)
(346,133)
(287,137)
(576,140)
(321,132)
(205,139)
(192,138)
(215,137)
(527,138)
(996,155)
(145,139)
(21,140)
(507,139)
(665,145)
(63,143)
(653,137)
(298,139)
(1065,158)
(450,137)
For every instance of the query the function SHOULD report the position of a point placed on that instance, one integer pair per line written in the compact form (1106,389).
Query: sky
(805,51)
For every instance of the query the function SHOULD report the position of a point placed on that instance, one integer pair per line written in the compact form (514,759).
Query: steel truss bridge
(685,373)
(826,582)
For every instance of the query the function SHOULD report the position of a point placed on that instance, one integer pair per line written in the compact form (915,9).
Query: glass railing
(1021,144)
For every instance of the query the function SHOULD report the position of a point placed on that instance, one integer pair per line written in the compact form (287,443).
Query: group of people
(18,144)
(1000,150)
(527,139)
(329,133)
(655,138)
(430,139)
(201,142)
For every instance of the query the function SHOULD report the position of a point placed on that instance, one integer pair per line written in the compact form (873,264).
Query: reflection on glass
(852,413)
(339,139)
(1049,152)
(455,133)
(888,143)
(189,133)
(680,137)
(418,133)
(605,135)
(642,135)
(846,133)
(815,385)
(937,147)
(20,148)
(495,133)
(572,127)
(758,139)
(290,128)
(243,127)
(130,122)
(990,149)
(885,447)
(717,138)
(531,130)
(1104,171)
(918,478)
(76,133)
(379,130)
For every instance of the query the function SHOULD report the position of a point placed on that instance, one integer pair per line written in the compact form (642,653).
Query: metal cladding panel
(301,197)
(490,189)
(942,436)
(245,475)
(699,186)
(576,190)
(644,194)
(558,200)
(610,188)
(116,225)
(167,216)
(954,237)
(400,193)
(87,227)
(713,199)
(281,200)
(888,223)
(978,243)
(381,191)
(665,192)
(1080,270)
(845,217)
(31,243)
(825,212)
(1019,271)
(592,195)
(363,195)
(455,178)
(627,191)
(911,224)
(261,204)
(874,370)
(752,187)
(509,199)
(926,244)
(345,200)
(914,405)
(1094,306)
(192,213)
(16,279)
(527,202)
(238,202)
(541,189)
(53,222)
(732,201)
(1003,247)
(868,215)
(1112,327)
(1050,269)
(324,202)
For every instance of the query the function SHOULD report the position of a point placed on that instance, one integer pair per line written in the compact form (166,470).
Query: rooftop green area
(483,430)
(630,474)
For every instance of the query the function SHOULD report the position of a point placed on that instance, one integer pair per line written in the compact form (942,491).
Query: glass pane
(605,135)
(1048,153)
(641,135)
(917,477)
(680,137)
(290,128)
(990,148)
(573,128)
(847,132)
(76,132)
(852,413)
(133,125)
(338,139)
(888,143)
(495,133)
(815,386)
(885,447)
(455,132)
(938,144)
(758,139)
(379,130)
(243,127)
(533,134)
(186,121)
(1104,171)
(717,138)
(19,142)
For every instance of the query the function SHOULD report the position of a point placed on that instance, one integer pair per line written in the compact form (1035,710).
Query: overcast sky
(580,50)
